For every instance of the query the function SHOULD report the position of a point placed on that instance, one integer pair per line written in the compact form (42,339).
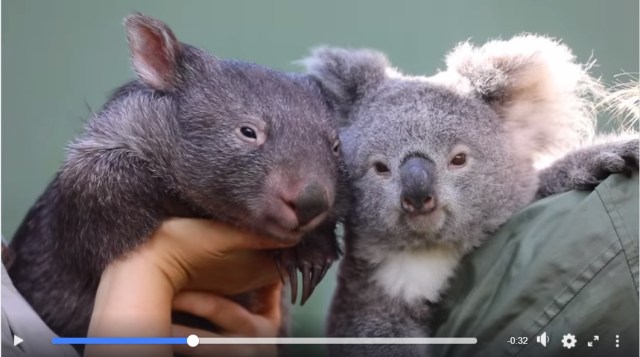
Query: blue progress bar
(119,340)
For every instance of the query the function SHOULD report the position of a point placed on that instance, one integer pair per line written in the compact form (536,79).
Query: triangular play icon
(17,340)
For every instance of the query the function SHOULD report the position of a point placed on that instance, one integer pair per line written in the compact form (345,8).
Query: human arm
(565,264)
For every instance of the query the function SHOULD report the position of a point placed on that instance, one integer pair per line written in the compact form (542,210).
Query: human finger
(230,316)
(271,306)
(209,350)
(227,238)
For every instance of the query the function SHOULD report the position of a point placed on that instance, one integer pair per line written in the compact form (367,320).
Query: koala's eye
(381,169)
(248,132)
(459,160)
(336,147)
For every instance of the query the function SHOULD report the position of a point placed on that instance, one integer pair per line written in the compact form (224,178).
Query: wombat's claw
(311,276)
(286,265)
(293,280)
(317,275)
(325,268)
(313,258)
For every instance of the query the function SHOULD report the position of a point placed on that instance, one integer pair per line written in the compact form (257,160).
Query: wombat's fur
(438,163)
(193,136)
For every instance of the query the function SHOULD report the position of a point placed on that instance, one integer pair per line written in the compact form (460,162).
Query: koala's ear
(535,84)
(346,75)
(155,51)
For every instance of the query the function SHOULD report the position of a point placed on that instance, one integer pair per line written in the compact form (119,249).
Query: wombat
(192,136)
(438,163)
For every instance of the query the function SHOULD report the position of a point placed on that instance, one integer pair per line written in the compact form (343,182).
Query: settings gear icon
(569,341)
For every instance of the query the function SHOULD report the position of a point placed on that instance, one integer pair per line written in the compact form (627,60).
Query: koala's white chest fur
(416,275)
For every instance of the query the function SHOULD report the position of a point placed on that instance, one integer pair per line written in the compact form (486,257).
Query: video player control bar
(194,340)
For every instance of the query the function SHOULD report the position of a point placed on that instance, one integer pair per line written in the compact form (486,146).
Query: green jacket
(567,264)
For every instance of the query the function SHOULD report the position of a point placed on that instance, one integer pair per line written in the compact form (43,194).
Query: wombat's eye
(381,169)
(248,132)
(251,133)
(459,160)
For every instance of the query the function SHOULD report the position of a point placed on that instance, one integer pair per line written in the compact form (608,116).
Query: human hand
(233,320)
(204,255)
(136,292)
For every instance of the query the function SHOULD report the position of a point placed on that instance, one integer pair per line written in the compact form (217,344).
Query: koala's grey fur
(170,144)
(586,167)
(504,105)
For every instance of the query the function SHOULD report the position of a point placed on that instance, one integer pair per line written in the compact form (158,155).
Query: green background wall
(60,57)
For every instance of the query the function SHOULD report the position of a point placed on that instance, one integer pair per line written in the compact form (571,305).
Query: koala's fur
(504,105)
(171,144)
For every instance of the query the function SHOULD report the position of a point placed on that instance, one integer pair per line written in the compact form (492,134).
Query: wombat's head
(255,147)
(446,159)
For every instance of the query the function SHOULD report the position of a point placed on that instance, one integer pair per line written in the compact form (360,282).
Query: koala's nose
(310,203)
(417,176)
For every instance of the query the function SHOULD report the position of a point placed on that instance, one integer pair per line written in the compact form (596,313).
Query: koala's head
(446,159)
(254,147)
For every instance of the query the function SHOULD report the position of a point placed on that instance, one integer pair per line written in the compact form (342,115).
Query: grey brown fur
(585,168)
(174,143)
(418,207)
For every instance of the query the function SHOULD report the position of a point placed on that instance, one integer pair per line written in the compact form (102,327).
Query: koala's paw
(586,168)
(313,257)
(608,159)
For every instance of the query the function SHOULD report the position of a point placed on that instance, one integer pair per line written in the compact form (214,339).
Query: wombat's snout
(417,176)
(295,205)
(310,203)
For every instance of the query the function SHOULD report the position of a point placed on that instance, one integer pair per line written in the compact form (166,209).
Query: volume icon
(543,339)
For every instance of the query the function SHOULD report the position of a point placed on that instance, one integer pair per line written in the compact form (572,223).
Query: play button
(17,340)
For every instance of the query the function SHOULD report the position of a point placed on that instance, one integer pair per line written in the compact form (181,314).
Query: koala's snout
(310,203)
(417,176)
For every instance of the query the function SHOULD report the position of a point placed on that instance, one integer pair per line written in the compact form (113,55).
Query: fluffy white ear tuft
(155,51)
(346,75)
(534,83)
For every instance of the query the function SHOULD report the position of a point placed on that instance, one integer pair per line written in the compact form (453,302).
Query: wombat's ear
(535,85)
(346,75)
(155,51)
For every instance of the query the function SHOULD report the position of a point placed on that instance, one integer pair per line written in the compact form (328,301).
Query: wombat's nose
(417,176)
(310,203)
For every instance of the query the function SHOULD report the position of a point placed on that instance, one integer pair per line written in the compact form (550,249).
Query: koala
(192,136)
(436,164)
